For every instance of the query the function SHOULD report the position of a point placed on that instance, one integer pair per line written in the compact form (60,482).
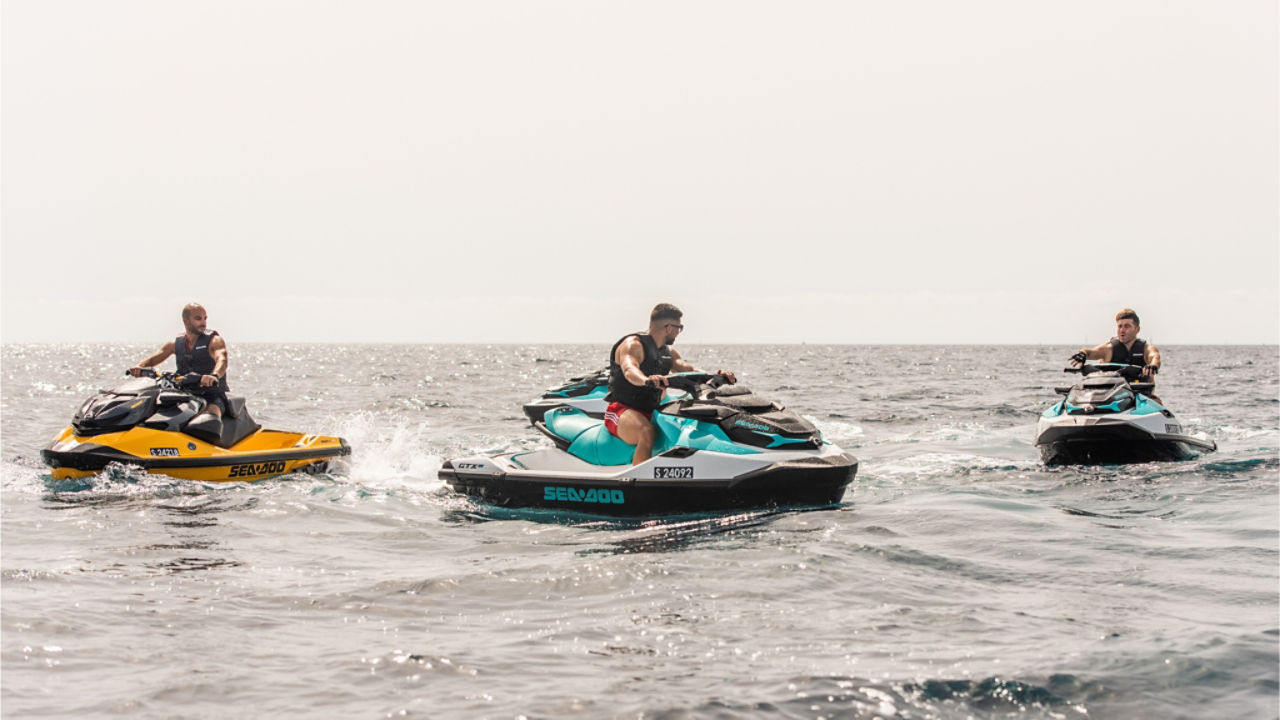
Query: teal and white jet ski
(1107,418)
(719,447)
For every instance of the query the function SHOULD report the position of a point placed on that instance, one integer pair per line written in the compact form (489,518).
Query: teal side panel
(780,441)
(1054,411)
(672,395)
(686,432)
(597,392)
(1144,405)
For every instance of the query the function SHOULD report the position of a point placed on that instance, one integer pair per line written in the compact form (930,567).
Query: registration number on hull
(673,473)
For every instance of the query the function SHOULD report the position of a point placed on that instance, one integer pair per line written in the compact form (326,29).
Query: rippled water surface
(958,579)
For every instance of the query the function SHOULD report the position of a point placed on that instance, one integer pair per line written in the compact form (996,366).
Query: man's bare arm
(153,360)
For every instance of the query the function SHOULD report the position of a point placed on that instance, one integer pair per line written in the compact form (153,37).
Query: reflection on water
(671,535)
(189,513)
(189,564)
(642,535)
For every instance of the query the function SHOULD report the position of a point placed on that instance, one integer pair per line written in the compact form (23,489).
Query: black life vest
(657,361)
(198,359)
(1136,355)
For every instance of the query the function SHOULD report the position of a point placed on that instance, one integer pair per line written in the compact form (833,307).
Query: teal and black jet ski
(720,447)
(1108,418)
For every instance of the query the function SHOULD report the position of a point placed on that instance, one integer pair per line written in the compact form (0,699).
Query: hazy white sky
(845,172)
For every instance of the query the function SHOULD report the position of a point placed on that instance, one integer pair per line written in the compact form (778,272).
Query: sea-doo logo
(275,466)
(751,425)
(592,495)
(164,452)
(668,473)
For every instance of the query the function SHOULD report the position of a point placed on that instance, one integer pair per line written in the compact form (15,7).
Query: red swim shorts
(615,410)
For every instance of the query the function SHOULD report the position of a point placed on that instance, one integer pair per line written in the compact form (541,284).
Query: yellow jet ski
(154,423)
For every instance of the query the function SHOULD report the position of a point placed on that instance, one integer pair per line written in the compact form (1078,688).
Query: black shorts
(213,396)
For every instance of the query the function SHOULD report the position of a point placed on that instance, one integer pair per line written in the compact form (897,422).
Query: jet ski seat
(598,446)
(235,405)
(234,426)
(586,437)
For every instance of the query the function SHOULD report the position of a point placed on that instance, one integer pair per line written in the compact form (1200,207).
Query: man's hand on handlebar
(208,380)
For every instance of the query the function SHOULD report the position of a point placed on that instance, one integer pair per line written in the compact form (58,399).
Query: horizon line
(689,344)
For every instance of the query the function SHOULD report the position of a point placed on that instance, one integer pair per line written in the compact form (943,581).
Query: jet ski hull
(670,484)
(1115,443)
(263,454)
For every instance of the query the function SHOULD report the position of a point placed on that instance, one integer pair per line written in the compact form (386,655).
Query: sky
(926,171)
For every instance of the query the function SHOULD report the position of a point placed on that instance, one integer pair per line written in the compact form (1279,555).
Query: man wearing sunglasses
(638,367)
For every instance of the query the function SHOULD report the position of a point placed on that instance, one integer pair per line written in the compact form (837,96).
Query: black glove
(1079,358)
(1150,369)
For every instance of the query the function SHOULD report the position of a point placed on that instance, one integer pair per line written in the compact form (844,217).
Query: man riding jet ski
(201,356)
(638,367)
(718,447)
(183,424)
(633,380)
(1126,348)
(1107,418)
(156,423)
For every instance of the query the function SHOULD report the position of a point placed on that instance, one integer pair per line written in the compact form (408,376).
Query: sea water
(958,578)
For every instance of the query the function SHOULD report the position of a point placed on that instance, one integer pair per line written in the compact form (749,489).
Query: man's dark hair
(662,311)
(1128,314)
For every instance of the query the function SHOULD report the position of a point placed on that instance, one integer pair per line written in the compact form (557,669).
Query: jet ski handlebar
(691,381)
(169,379)
(1126,371)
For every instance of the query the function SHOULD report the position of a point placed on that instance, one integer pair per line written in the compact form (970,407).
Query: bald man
(199,351)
